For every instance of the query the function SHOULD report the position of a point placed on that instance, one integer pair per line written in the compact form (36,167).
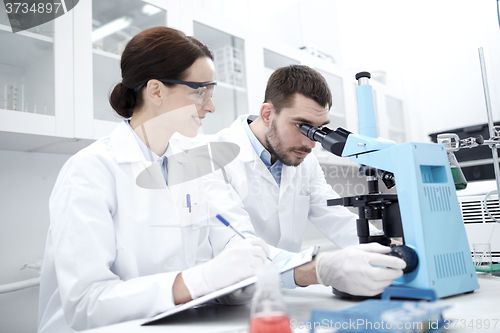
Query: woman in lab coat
(122,243)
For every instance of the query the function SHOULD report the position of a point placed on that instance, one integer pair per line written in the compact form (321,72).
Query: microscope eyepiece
(333,141)
(312,132)
(363,74)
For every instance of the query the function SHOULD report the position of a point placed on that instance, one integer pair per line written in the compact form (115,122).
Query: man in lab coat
(278,185)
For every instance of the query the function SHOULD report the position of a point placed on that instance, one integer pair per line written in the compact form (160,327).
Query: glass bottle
(456,172)
(268,313)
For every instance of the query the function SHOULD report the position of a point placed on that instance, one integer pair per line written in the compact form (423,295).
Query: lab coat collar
(125,145)
(248,154)
(127,149)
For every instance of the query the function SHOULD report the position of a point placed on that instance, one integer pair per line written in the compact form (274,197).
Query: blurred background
(55,80)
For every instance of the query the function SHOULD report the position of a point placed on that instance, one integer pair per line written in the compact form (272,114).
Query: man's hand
(363,270)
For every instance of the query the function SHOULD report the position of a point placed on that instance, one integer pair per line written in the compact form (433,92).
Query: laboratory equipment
(477,163)
(268,313)
(425,212)
(475,217)
(482,255)
(450,143)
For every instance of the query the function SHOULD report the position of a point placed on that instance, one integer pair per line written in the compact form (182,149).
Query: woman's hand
(236,262)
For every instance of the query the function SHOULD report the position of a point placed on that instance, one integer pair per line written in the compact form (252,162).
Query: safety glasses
(199,92)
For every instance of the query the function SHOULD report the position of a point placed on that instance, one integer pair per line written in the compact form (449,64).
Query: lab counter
(471,310)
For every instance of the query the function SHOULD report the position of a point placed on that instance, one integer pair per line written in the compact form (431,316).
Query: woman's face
(186,113)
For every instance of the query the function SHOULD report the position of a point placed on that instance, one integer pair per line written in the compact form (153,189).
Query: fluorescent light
(150,10)
(110,28)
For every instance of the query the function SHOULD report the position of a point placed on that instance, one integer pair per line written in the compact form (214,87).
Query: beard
(277,149)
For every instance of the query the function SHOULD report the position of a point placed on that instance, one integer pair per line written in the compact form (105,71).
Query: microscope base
(408,292)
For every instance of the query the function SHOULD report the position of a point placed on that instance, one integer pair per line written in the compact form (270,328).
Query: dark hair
(285,82)
(159,52)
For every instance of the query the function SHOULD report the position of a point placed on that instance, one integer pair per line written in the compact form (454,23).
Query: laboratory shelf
(28,34)
(35,133)
(26,72)
(23,49)
(41,143)
(23,122)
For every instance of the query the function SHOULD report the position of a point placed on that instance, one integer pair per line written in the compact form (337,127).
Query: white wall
(429,50)
(26,183)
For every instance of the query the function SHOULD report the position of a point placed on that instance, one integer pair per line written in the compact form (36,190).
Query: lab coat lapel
(262,170)
(287,175)
(167,201)
(175,174)
(127,151)
(130,157)
(175,171)
(241,139)
(125,145)
(247,153)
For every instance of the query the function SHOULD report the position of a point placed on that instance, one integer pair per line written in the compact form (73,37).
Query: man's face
(284,140)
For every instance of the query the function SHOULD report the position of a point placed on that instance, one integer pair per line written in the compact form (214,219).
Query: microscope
(425,212)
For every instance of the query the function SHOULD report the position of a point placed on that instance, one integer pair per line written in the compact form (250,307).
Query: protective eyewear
(199,92)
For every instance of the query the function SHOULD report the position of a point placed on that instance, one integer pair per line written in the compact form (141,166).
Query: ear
(266,110)
(154,92)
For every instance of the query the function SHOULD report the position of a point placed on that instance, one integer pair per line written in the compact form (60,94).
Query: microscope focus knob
(408,255)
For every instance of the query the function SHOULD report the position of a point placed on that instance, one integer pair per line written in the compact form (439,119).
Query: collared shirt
(151,155)
(262,152)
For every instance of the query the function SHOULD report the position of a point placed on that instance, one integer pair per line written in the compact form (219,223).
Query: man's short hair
(285,82)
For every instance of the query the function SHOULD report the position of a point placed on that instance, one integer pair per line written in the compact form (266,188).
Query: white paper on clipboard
(286,265)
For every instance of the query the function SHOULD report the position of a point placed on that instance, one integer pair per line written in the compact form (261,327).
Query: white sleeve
(84,249)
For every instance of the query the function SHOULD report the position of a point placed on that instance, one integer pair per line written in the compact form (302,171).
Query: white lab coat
(113,248)
(278,214)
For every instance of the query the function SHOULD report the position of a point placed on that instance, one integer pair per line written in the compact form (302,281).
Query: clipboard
(298,259)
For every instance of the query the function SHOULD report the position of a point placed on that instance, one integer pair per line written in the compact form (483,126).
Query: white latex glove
(238,297)
(238,261)
(362,270)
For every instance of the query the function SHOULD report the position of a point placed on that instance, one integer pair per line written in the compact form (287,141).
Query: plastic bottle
(268,314)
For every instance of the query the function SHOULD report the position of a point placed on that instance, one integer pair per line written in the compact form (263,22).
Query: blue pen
(226,223)
(188,201)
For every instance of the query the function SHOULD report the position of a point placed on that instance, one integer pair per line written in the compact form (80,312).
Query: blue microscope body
(430,215)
